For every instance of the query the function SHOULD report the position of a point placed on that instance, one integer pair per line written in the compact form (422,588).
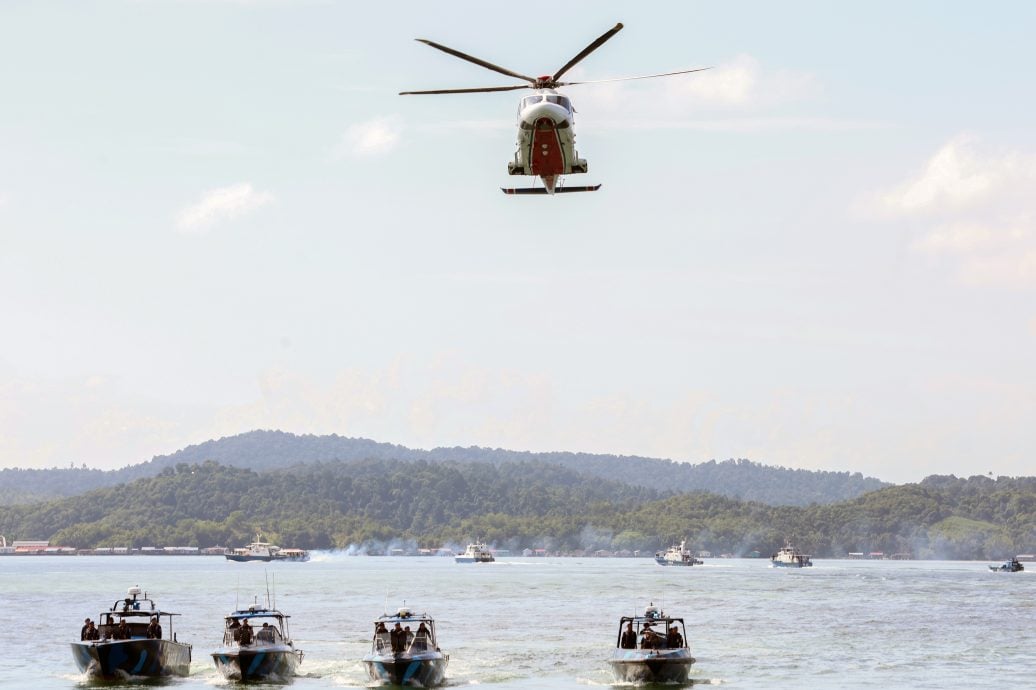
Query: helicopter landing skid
(541,190)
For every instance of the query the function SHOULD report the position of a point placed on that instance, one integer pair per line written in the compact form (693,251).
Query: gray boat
(651,648)
(257,647)
(405,651)
(131,642)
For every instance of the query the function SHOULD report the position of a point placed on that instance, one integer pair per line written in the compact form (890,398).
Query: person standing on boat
(629,637)
(121,631)
(86,627)
(398,638)
(673,639)
(154,630)
(245,637)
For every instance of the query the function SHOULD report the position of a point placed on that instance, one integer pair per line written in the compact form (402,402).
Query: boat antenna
(274,578)
(237,594)
(267,575)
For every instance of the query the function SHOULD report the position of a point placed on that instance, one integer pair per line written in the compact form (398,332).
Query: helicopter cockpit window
(530,100)
(560,100)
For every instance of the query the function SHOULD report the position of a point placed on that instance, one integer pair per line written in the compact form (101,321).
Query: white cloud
(224,203)
(957,176)
(982,211)
(372,138)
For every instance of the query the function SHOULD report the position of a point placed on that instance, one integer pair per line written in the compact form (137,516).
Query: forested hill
(270,450)
(518,505)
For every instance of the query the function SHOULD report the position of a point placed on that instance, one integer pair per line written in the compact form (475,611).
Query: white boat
(790,557)
(677,554)
(260,550)
(475,553)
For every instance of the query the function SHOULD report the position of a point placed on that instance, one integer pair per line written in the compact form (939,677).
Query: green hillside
(518,505)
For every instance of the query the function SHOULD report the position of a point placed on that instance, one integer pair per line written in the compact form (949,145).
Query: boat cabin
(653,630)
(415,633)
(256,626)
(136,610)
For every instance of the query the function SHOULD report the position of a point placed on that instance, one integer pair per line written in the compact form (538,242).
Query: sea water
(552,622)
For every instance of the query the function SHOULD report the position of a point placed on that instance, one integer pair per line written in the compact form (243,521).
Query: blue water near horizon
(551,622)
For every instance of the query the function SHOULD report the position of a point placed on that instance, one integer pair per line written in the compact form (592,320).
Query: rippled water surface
(551,623)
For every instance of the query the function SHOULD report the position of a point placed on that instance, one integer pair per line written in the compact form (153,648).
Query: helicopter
(546,119)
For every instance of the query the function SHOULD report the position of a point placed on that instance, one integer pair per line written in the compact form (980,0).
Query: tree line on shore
(521,505)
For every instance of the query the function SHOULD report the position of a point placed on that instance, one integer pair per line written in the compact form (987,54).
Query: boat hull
(643,666)
(472,559)
(242,559)
(423,670)
(793,564)
(136,657)
(683,564)
(277,663)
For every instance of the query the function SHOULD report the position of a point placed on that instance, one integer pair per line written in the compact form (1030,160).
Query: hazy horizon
(219,215)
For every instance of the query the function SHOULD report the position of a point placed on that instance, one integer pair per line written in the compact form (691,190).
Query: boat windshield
(658,633)
(249,630)
(409,637)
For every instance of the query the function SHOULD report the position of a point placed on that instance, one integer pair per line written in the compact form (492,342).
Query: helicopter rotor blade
(477,89)
(477,61)
(646,76)
(589,49)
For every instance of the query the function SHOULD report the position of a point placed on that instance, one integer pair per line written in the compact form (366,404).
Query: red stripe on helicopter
(546,156)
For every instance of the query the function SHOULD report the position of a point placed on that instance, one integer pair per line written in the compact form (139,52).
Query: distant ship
(790,557)
(1009,566)
(260,550)
(677,554)
(475,553)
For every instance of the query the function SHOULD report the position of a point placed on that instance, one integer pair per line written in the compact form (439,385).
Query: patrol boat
(475,553)
(124,649)
(651,649)
(790,557)
(257,646)
(1009,566)
(405,651)
(264,551)
(677,554)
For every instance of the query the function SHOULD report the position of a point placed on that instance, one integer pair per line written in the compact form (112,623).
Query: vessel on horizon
(475,553)
(677,554)
(1012,565)
(266,552)
(130,642)
(790,557)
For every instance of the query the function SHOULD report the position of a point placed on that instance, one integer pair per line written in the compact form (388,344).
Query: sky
(219,216)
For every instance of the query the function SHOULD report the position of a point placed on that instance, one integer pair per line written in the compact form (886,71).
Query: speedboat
(651,648)
(790,557)
(677,554)
(405,651)
(1009,566)
(257,646)
(130,642)
(475,553)
(264,551)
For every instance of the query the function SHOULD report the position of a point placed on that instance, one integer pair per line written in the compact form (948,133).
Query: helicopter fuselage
(546,138)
